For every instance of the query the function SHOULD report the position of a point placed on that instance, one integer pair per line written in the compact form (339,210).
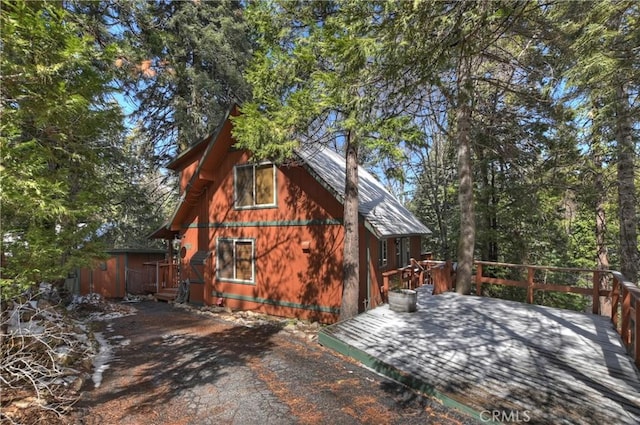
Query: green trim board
(283,223)
(278,303)
(391,372)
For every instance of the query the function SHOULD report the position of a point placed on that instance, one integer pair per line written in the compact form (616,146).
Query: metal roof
(384,213)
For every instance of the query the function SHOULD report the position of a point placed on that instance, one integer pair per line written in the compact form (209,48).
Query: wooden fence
(152,278)
(624,296)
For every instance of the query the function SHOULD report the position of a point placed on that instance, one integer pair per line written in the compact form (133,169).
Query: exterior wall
(188,165)
(376,270)
(298,245)
(187,173)
(108,277)
(105,278)
(416,247)
(196,293)
(370,274)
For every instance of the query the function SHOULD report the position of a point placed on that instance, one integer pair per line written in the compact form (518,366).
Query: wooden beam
(478,279)
(206,175)
(506,282)
(615,300)
(563,288)
(595,309)
(626,315)
(530,275)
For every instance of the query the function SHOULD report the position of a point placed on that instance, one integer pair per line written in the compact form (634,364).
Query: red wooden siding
(108,277)
(297,245)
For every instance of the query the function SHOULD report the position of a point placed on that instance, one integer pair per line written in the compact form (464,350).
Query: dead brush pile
(45,358)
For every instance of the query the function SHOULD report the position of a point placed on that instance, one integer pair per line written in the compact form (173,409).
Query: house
(126,270)
(256,236)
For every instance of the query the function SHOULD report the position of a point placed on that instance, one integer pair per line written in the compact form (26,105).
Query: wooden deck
(521,362)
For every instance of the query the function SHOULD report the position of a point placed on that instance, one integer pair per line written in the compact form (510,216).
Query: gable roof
(384,213)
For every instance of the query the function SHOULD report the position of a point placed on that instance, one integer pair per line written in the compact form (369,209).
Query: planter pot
(403,300)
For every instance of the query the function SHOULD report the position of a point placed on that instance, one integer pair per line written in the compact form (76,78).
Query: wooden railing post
(448,267)
(530,274)
(385,287)
(478,279)
(625,333)
(596,292)
(412,276)
(615,301)
(416,265)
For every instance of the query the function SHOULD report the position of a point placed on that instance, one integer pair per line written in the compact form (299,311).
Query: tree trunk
(627,202)
(602,256)
(487,238)
(351,277)
(466,241)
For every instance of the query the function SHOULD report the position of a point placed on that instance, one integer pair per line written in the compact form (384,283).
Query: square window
(255,186)
(225,259)
(244,187)
(235,260)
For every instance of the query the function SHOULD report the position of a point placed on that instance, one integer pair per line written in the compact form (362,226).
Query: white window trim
(235,187)
(253,261)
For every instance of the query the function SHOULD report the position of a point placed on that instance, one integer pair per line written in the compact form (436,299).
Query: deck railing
(152,278)
(625,301)
(438,273)
(624,296)
(534,282)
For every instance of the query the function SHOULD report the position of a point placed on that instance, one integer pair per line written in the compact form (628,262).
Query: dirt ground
(173,365)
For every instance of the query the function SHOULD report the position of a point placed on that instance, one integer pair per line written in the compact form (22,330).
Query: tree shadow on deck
(499,355)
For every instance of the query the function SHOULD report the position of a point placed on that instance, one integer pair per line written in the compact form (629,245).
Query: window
(255,186)
(235,260)
(382,253)
(402,252)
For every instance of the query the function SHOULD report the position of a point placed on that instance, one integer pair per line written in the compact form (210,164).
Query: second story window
(255,186)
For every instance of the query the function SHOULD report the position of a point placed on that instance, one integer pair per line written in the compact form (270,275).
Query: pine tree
(58,121)
(601,40)
(182,63)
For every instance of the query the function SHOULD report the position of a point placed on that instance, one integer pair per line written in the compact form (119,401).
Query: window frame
(236,191)
(234,279)
(383,253)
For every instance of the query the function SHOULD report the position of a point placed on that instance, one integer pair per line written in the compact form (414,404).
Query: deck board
(559,366)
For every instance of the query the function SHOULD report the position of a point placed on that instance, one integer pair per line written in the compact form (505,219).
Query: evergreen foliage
(182,62)
(315,81)
(57,133)
(535,105)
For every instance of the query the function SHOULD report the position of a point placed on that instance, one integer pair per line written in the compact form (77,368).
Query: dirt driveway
(174,366)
